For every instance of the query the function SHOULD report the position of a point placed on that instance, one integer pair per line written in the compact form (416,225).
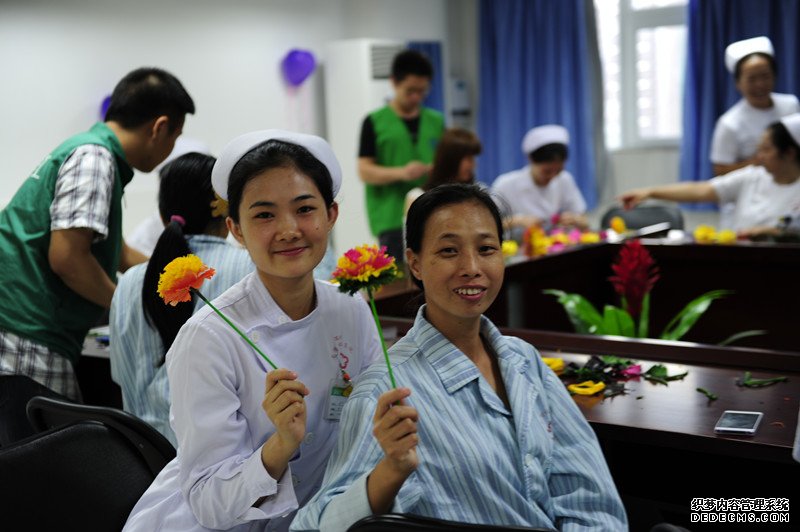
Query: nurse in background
(766,198)
(535,193)
(253,442)
(739,130)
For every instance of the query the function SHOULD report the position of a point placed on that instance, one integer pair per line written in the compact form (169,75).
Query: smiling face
(756,81)
(284,224)
(543,173)
(459,263)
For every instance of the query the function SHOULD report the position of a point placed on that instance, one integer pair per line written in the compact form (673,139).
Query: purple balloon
(297,66)
(104,107)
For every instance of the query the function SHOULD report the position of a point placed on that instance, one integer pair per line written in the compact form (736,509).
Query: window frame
(630,21)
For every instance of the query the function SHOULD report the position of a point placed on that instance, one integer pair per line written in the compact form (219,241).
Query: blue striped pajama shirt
(537,464)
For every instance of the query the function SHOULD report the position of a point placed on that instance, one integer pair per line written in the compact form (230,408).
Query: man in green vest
(398,142)
(61,234)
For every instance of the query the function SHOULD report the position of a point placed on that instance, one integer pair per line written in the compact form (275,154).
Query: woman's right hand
(395,429)
(634,197)
(284,404)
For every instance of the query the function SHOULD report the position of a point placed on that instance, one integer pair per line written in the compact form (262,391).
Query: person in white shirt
(542,190)
(253,442)
(738,131)
(766,197)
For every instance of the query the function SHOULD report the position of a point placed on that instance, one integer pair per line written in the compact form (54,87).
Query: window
(643,50)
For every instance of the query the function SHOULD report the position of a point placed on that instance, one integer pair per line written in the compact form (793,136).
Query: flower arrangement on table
(367,267)
(182,278)
(607,375)
(635,274)
(537,242)
(707,234)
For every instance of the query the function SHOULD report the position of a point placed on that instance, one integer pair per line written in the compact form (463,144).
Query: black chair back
(85,476)
(15,392)
(46,413)
(404,522)
(645,214)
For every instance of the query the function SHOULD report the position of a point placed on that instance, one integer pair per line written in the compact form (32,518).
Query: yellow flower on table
(705,234)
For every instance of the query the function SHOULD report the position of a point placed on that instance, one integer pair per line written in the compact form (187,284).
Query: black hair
(186,192)
(147,93)
(783,140)
(441,196)
(276,154)
(737,71)
(549,153)
(411,63)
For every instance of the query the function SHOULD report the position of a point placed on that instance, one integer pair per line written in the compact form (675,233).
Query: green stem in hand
(380,335)
(235,328)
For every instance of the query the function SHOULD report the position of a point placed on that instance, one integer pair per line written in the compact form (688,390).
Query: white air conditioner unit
(357,82)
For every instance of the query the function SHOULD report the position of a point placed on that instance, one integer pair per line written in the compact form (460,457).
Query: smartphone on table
(738,422)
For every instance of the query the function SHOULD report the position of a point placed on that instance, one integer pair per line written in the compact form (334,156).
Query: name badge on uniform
(338,392)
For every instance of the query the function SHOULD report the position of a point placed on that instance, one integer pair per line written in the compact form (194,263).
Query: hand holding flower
(284,403)
(395,429)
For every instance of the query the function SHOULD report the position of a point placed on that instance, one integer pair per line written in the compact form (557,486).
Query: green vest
(393,147)
(34,302)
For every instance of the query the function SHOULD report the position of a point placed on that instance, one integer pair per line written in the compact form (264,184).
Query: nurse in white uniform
(766,197)
(253,442)
(738,131)
(536,193)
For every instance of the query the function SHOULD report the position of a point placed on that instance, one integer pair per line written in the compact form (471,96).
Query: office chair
(644,214)
(46,413)
(410,522)
(15,392)
(84,476)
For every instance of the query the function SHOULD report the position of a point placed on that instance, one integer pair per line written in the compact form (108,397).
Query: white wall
(60,58)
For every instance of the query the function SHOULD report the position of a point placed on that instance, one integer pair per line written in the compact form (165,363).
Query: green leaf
(744,334)
(658,373)
(711,396)
(686,318)
(581,312)
(617,321)
(612,360)
(750,382)
(644,317)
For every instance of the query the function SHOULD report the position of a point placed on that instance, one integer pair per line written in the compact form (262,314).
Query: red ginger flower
(636,273)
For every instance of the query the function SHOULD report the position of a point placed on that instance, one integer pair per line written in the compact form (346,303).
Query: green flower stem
(235,328)
(380,335)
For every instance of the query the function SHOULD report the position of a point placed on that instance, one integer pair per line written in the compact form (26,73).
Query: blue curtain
(538,61)
(709,91)
(433,49)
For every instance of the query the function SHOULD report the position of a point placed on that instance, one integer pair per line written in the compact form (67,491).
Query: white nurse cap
(792,123)
(238,147)
(735,52)
(544,135)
